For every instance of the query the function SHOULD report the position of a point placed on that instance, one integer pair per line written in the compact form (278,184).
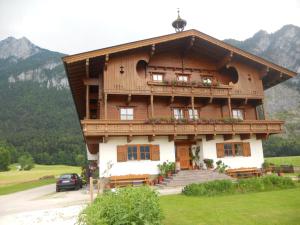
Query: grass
(264,208)
(287,160)
(13,180)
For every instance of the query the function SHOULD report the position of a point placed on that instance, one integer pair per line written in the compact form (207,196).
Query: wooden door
(183,156)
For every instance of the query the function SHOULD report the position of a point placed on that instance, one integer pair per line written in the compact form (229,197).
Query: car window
(65,176)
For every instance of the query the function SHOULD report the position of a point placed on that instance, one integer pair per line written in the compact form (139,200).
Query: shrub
(241,186)
(209,188)
(126,206)
(26,162)
(4,158)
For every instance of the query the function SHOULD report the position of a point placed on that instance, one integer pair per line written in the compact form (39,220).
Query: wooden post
(152,107)
(87,103)
(91,189)
(193,106)
(98,186)
(105,106)
(229,107)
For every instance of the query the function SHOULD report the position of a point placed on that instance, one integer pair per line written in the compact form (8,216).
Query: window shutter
(121,153)
(246,149)
(220,150)
(155,153)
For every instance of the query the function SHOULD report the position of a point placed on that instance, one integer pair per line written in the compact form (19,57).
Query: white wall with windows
(108,157)
(209,151)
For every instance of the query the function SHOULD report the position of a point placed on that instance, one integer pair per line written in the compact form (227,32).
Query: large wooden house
(154,100)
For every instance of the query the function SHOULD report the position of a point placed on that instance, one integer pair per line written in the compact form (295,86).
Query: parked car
(68,181)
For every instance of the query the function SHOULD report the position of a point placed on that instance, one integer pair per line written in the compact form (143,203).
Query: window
(233,149)
(238,114)
(178,114)
(183,78)
(132,152)
(207,80)
(138,152)
(238,149)
(228,149)
(193,115)
(144,152)
(157,77)
(126,113)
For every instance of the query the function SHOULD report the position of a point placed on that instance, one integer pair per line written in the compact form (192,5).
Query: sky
(74,26)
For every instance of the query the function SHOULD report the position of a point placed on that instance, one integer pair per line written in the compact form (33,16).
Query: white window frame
(238,114)
(126,113)
(178,113)
(193,114)
(157,77)
(182,78)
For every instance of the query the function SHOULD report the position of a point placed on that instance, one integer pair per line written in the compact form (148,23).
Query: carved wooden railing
(156,88)
(115,128)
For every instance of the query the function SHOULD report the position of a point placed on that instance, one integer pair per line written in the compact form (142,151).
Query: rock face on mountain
(281,47)
(38,113)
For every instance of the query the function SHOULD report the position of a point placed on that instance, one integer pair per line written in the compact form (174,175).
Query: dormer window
(157,77)
(182,78)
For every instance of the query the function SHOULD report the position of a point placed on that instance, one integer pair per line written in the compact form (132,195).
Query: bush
(241,186)
(26,162)
(5,158)
(209,188)
(126,206)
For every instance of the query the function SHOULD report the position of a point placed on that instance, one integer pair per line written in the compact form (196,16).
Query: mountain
(38,116)
(37,113)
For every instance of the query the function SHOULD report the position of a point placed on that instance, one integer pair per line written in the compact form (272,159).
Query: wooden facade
(188,72)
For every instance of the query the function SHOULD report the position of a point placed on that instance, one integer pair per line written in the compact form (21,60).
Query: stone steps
(183,178)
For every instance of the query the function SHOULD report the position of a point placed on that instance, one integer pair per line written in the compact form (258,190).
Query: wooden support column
(193,106)
(87,68)
(152,106)
(229,107)
(87,102)
(105,106)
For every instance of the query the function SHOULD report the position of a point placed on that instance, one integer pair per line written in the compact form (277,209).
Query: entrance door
(183,156)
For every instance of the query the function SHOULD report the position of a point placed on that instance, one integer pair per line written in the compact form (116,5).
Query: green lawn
(288,160)
(264,208)
(13,180)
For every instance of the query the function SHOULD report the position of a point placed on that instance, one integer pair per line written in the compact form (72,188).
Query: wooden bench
(126,180)
(244,172)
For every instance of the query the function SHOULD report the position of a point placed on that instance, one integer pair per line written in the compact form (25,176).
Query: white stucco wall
(255,160)
(108,155)
(91,156)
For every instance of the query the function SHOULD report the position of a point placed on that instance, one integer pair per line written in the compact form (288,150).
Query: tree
(26,162)
(4,158)
(80,160)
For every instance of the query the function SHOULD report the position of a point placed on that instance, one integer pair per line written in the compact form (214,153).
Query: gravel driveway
(42,206)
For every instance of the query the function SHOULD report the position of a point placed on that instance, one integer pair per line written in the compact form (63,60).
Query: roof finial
(179,23)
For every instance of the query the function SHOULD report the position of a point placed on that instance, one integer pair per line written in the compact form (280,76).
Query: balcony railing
(138,128)
(155,88)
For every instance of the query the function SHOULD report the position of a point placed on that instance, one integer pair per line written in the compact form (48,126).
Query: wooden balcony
(140,128)
(162,89)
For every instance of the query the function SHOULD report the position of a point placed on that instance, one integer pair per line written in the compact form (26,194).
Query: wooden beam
(210,100)
(106,61)
(171,138)
(105,106)
(192,137)
(193,106)
(152,106)
(264,72)
(227,137)
(172,98)
(128,99)
(152,51)
(262,136)
(105,139)
(225,61)
(229,107)
(189,45)
(87,68)
(129,138)
(209,137)
(245,136)
(87,102)
(151,138)
(91,81)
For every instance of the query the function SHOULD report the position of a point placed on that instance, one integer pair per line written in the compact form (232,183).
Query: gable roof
(176,36)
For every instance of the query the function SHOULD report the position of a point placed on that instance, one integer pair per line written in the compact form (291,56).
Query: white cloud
(73,26)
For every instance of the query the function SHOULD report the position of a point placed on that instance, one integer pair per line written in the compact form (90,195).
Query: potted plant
(221,167)
(195,157)
(209,163)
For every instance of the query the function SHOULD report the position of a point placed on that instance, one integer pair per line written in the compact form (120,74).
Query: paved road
(42,206)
